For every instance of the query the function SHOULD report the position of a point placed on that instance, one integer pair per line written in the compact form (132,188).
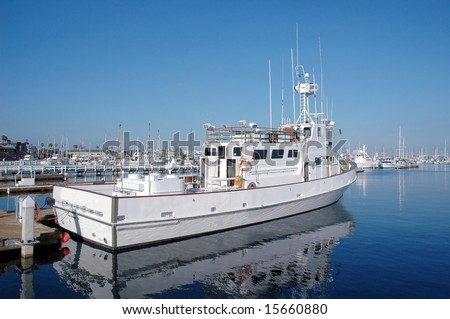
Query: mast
(293,82)
(282,90)
(121,156)
(321,77)
(149,147)
(270,94)
(296,36)
(304,90)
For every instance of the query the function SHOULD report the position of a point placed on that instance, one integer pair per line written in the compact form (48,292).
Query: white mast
(270,94)
(293,82)
(321,78)
(282,90)
(296,36)
(121,157)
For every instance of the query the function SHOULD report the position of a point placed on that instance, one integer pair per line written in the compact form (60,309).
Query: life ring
(251,185)
(37,213)
(238,182)
(244,165)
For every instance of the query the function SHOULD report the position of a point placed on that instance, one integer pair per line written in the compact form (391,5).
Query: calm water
(388,237)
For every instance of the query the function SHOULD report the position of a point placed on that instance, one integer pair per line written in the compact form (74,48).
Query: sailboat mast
(121,157)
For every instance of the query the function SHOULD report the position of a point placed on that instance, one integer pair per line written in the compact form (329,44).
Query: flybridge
(254,134)
(287,133)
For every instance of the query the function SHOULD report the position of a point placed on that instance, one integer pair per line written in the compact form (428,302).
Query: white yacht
(248,175)
(363,160)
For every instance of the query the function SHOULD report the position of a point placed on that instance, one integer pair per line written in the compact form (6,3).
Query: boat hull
(236,259)
(125,222)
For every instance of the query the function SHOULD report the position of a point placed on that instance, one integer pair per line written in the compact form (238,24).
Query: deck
(11,233)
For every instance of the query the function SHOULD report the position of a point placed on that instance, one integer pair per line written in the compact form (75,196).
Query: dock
(11,233)
(5,190)
(38,177)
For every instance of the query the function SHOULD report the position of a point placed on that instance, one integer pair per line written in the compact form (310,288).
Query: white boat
(388,163)
(363,160)
(248,175)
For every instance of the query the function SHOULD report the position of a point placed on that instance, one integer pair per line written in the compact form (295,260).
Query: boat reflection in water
(262,261)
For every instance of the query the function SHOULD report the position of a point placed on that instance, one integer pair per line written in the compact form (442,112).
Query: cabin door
(231,170)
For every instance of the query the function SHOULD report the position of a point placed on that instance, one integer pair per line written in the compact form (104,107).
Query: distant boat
(387,163)
(248,175)
(363,160)
(28,158)
(404,163)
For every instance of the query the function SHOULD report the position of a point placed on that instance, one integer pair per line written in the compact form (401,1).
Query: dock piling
(27,217)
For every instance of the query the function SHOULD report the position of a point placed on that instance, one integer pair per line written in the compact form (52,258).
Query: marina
(231,159)
(248,174)
(360,247)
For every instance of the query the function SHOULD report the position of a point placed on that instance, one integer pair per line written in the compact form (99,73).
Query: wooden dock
(4,190)
(37,177)
(11,233)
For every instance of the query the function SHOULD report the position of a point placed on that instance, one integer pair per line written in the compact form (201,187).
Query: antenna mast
(296,36)
(270,93)
(321,77)
(293,82)
(282,90)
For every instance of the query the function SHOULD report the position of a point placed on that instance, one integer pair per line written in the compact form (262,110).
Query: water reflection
(401,191)
(252,262)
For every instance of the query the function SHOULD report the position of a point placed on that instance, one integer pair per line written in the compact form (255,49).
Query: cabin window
(293,153)
(210,151)
(277,153)
(307,132)
(221,151)
(236,151)
(319,131)
(259,154)
(329,134)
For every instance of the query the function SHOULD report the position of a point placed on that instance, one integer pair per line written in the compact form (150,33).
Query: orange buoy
(244,165)
(65,237)
(65,251)
(251,185)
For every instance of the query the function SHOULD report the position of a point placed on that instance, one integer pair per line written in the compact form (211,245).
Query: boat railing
(244,134)
(220,184)
(260,172)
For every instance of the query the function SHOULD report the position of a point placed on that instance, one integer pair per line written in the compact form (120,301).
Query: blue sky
(74,70)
